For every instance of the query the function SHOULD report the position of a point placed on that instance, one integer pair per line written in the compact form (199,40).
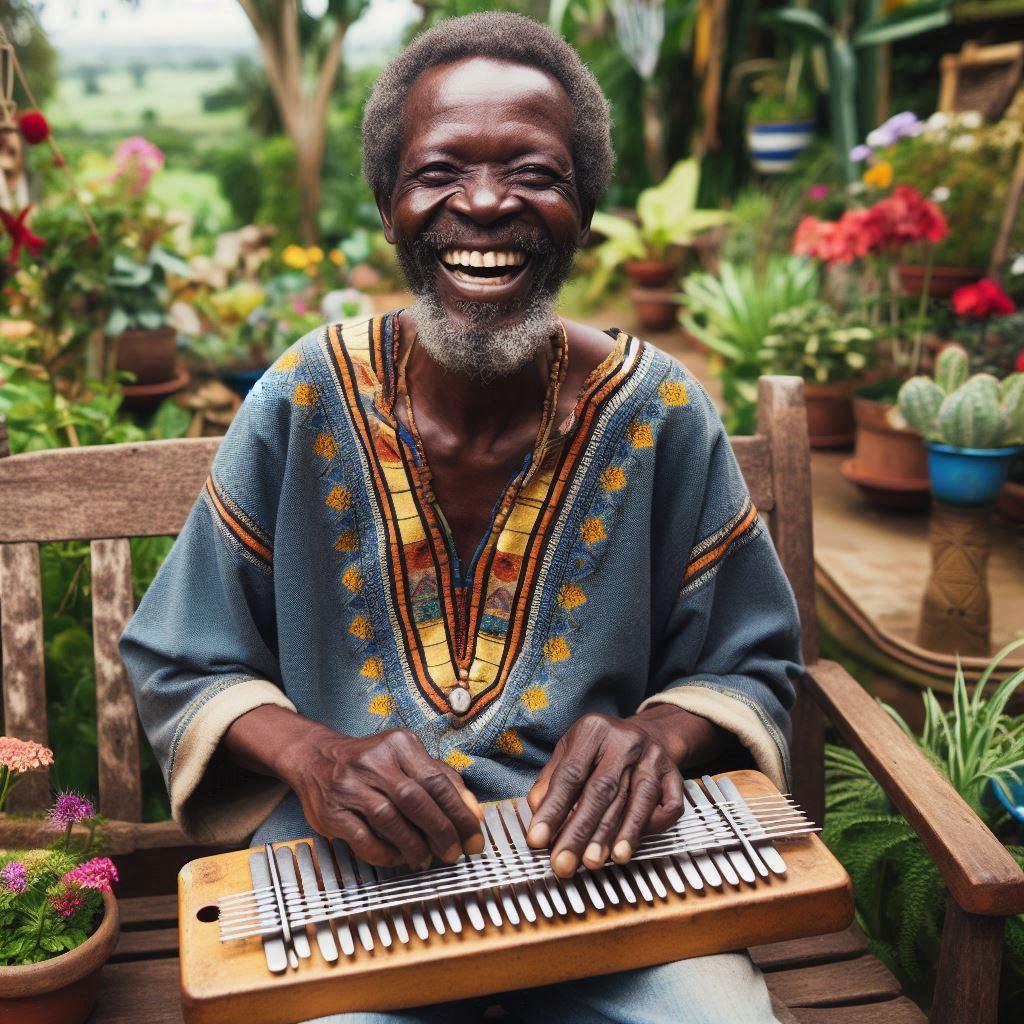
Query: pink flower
(14,877)
(137,160)
(97,873)
(22,756)
(69,809)
(66,903)
(817,192)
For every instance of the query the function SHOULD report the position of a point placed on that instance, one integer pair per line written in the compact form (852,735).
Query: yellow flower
(373,668)
(295,256)
(613,479)
(353,579)
(341,499)
(556,649)
(592,531)
(508,742)
(337,257)
(349,540)
(639,435)
(571,596)
(383,704)
(361,627)
(458,760)
(535,699)
(673,392)
(325,445)
(304,394)
(315,254)
(880,175)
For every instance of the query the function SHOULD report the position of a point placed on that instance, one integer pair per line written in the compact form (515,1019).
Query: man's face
(485,213)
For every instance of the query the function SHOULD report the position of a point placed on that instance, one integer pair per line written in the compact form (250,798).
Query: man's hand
(611,780)
(384,795)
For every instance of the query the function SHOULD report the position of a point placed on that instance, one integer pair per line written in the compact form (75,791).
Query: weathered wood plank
(979,871)
(891,1011)
(146,943)
(121,837)
(117,726)
(114,490)
(140,990)
(24,681)
(148,910)
(846,983)
(967,986)
(755,459)
(818,949)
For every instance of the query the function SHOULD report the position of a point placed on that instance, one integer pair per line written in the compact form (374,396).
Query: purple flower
(817,192)
(14,877)
(860,153)
(69,809)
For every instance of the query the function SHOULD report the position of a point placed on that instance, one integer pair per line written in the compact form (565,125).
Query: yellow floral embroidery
(353,579)
(556,649)
(592,531)
(304,394)
(535,699)
(673,392)
(639,435)
(287,362)
(570,596)
(382,704)
(341,499)
(349,540)
(458,760)
(508,742)
(361,627)
(613,479)
(373,668)
(325,445)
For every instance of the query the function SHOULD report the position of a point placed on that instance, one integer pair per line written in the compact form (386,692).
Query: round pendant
(459,699)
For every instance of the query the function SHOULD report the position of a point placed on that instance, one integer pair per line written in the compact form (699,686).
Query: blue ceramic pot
(776,145)
(968,476)
(241,381)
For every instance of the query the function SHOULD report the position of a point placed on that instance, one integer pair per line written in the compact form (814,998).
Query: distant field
(174,94)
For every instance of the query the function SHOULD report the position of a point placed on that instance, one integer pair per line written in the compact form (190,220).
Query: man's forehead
(481,87)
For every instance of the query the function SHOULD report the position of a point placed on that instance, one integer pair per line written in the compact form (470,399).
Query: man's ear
(587,215)
(384,209)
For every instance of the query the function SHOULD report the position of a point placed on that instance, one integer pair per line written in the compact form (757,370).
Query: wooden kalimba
(302,929)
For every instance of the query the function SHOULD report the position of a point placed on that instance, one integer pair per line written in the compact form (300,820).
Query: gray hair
(502,36)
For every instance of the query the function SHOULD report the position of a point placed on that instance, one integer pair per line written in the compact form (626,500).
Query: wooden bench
(107,495)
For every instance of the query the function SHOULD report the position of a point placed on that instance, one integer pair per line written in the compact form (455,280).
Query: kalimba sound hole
(208,914)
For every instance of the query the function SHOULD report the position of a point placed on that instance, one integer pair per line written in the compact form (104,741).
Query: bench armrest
(978,870)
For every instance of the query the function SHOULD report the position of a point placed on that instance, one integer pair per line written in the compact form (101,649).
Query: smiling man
(470,549)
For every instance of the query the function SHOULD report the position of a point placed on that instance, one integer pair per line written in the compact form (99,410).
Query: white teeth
(492,282)
(476,259)
(490,260)
(502,259)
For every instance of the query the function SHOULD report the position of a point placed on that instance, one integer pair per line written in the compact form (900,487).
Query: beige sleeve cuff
(228,805)
(736,717)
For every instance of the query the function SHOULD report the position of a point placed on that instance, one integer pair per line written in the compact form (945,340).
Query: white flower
(962,142)
(1017,266)
(937,122)
(879,139)
(940,194)
(855,188)
(970,119)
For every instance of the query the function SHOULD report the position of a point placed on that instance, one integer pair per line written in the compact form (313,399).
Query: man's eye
(537,172)
(437,173)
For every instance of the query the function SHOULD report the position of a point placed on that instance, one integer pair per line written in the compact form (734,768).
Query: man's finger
(597,850)
(566,784)
(666,814)
(422,811)
(362,840)
(540,786)
(644,796)
(459,811)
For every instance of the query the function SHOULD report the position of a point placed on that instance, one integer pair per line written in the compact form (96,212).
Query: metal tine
(621,875)
(702,861)
(772,858)
(650,869)
(286,869)
(343,855)
(556,886)
(368,876)
(717,797)
(322,855)
(584,876)
(273,945)
(704,809)
(685,864)
(493,819)
(671,873)
(307,872)
(508,905)
(524,853)
(477,861)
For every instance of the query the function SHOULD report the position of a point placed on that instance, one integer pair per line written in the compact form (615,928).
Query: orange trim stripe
(715,554)
(254,545)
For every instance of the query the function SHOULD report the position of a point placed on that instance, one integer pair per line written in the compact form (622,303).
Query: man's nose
(484,198)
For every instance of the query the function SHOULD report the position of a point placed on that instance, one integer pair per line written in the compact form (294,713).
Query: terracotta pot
(62,990)
(656,310)
(945,280)
(150,355)
(829,414)
(650,273)
(1010,503)
(889,464)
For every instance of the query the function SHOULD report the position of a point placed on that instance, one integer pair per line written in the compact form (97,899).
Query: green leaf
(902,24)
(117,322)
(803,24)
(151,319)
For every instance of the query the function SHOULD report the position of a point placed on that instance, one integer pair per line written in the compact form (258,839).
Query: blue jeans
(722,989)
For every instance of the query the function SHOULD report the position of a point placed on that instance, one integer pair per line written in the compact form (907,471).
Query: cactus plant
(966,412)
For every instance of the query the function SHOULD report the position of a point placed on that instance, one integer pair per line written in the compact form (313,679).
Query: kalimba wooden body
(228,982)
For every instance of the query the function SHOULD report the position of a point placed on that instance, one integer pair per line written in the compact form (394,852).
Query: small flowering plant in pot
(58,915)
(973,426)
(813,341)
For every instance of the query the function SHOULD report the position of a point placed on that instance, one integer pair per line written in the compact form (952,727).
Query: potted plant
(652,248)
(780,125)
(58,916)
(812,342)
(138,300)
(973,427)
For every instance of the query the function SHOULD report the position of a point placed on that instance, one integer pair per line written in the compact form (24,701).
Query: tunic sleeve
(201,650)
(731,643)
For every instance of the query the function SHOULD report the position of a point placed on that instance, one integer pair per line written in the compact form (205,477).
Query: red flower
(982,300)
(1019,365)
(21,236)
(33,127)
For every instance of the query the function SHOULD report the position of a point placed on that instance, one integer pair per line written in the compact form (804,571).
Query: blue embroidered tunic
(624,565)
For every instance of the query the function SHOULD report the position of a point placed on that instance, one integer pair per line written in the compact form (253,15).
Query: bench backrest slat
(117,726)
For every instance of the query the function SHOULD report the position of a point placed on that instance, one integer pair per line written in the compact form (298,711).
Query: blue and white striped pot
(775,145)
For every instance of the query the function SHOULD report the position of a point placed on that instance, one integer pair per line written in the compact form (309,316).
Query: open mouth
(494,267)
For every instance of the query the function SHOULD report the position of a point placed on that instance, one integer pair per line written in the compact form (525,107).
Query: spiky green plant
(899,893)
(962,411)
